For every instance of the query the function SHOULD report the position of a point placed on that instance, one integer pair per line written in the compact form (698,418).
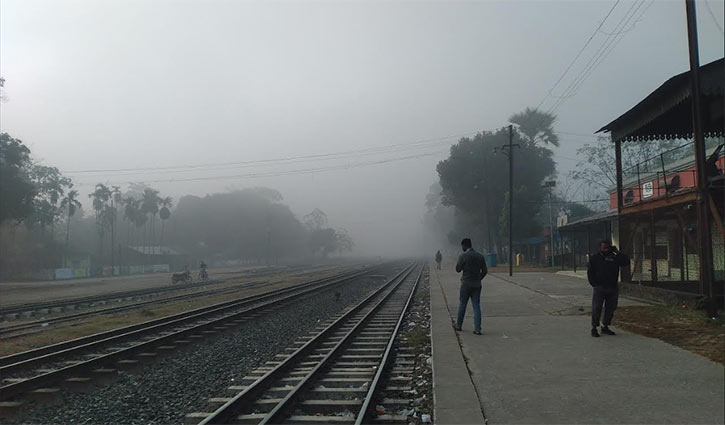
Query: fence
(667,173)
(662,244)
(77,273)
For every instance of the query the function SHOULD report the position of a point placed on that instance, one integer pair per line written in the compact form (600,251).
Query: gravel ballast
(180,382)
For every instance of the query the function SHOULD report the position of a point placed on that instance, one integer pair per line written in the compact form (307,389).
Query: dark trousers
(607,297)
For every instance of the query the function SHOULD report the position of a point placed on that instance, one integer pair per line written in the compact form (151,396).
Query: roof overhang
(666,113)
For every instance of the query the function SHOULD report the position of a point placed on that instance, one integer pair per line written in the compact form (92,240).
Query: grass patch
(681,326)
(417,338)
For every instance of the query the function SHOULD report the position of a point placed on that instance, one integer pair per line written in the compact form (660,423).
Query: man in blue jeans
(473,266)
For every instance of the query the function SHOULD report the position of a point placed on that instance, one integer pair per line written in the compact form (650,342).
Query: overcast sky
(111,85)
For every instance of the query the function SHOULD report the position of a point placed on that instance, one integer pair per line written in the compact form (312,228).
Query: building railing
(664,174)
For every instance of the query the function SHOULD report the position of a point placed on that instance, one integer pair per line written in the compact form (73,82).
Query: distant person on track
(473,266)
(439,259)
(603,275)
(203,274)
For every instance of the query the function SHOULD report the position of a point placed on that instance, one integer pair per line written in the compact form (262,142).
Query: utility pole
(508,149)
(487,210)
(704,237)
(511,200)
(550,185)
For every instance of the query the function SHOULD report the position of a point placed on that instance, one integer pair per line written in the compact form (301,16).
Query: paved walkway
(537,363)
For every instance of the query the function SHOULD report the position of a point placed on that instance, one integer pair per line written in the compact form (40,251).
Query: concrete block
(147,357)
(166,347)
(45,396)
(195,418)
(12,410)
(127,364)
(78,384)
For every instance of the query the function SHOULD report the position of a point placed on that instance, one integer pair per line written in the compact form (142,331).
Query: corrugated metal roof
(591,219)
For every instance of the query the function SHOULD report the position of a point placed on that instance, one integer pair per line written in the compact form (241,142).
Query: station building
(652,212)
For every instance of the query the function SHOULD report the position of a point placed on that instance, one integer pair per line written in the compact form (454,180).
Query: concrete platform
(537,363)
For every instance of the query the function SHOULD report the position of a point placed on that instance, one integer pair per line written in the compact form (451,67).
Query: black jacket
(603,270)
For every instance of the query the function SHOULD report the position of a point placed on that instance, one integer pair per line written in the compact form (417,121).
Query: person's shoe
(607,331)
(477,332)
(595,334)
(457,328)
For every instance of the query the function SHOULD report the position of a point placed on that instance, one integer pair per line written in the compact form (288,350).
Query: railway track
(69,363)
(335,375)
(13,312)
(28,328)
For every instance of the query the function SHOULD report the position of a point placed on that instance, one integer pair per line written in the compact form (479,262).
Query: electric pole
(550,185)
(509,150)
(511,200)
(704,237)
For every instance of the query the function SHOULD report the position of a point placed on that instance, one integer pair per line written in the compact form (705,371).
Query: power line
(615,42)
(183,168)
(287,172)
(548,93)
(597,54)
(333,155)
(566,202)
(594,136)
(395,148)
(274,161)
(717,24)
(566,157)
(567,92)
(248,164)
(602,52)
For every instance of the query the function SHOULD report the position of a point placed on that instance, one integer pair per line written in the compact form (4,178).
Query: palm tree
(536,126)
(115,197)
(150,205)
(130,211)
(70,201)
(100,196)
(164,214)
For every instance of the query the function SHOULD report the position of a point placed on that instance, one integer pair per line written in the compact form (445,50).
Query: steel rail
(15,388)
(236,303)
(371,396)
(70,317)
(19,308)
(245,399)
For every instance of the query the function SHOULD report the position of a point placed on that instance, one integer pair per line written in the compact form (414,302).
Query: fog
(318,100)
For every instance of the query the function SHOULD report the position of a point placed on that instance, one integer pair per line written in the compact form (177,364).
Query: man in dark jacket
(603,275)
(473,266)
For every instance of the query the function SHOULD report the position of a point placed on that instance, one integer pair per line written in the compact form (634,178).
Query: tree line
(43,223)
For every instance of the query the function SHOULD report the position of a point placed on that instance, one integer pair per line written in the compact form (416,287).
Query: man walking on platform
(603,275)
(439,259)
(473,266)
